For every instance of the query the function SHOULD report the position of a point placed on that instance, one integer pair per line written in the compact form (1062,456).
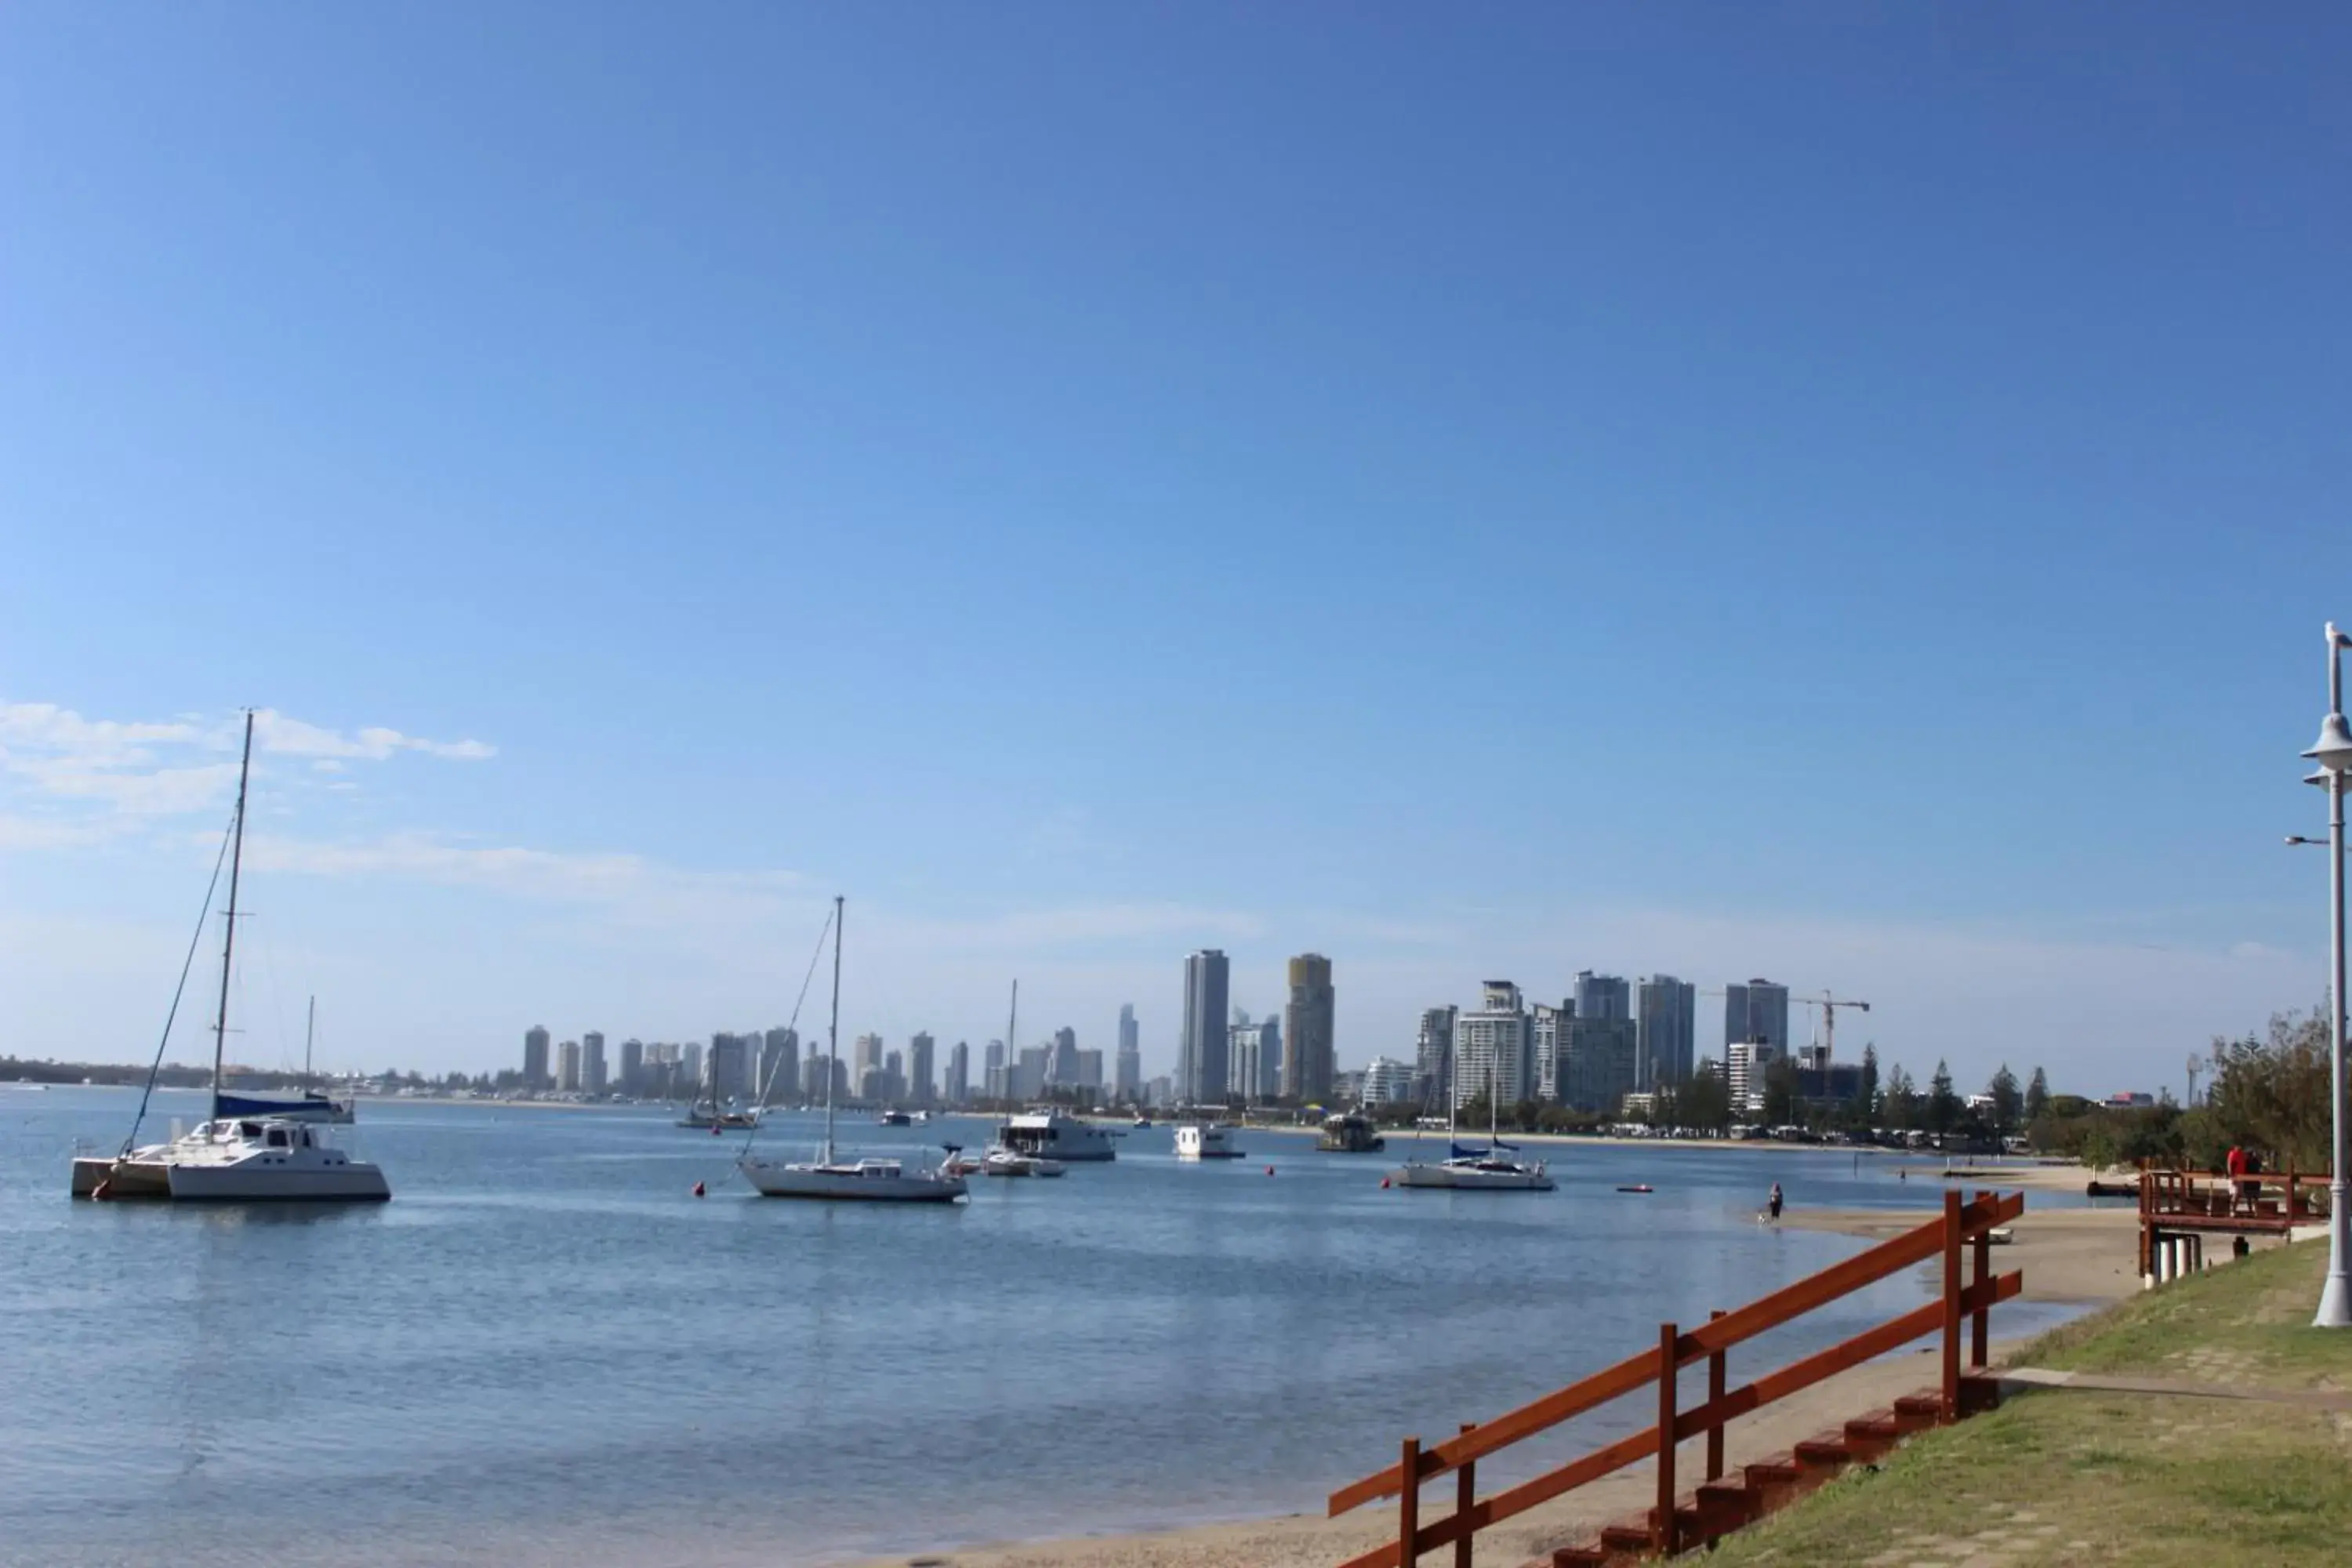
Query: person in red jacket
(2235,1164)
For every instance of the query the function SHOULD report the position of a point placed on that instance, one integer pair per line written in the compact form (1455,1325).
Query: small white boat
(1002,1162)
(894,1118)
(1484,1170)
(1205,1141)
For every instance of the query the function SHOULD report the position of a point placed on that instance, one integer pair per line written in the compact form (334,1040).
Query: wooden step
(1626,1535)
(1730,1500)
(1920,1411)
(1593,1555)
(1869,1438)
(1823,1451)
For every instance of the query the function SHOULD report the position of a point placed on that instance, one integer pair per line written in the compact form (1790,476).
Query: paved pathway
(2103,1382)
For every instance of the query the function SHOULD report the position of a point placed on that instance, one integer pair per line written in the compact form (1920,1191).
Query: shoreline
(2057,1249)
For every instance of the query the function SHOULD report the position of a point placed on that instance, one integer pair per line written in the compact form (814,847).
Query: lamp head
(2333,749)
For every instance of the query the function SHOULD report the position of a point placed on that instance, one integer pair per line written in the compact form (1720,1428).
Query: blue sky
(1847,494)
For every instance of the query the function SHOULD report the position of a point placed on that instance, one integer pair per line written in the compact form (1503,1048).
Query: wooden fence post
(1662,1532)
(1718,1382)
(1981,1321)
(1409,1505)
(1465,1492)
(1951,1306)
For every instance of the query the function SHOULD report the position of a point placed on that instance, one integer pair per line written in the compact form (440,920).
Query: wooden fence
(1962,1228)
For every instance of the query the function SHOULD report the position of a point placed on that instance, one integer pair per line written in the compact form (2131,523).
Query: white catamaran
(1488,1170)
(869,1180)
(235,1157)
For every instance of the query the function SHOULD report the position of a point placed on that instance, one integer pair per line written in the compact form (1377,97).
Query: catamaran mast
(228,943)
(833,1035)
(310,1030)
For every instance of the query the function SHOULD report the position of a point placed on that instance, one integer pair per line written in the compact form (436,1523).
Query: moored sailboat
(1488,1170)
(234,1157)
(883,1180)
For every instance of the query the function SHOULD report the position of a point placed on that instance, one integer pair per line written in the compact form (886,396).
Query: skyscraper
(1665,1016)
(1201,1052)
(632,1065)
(780,1066)
(1307,1057)
(958,1073)
(534,1057)
(1128,1071)
(567,1068)
(1090,1078)
(1756,1011)
(919,1082)
(1062,1069)
(894,1077)
(592,1061)
(864,1057)
(1491,1048)
(1601,996)
(1433,1055)
(1242,1064)
(690,1066)
(730,1068)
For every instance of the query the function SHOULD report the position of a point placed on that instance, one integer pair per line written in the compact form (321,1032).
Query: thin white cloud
(275,732)
(597,877)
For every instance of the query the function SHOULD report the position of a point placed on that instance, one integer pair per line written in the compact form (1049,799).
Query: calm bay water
(546,1350)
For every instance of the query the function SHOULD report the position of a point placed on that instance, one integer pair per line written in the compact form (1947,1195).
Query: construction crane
(1829,1006)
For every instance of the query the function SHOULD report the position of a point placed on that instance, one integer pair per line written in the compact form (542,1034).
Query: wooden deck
(2190,1203)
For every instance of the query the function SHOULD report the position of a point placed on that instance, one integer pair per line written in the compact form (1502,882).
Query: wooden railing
(2272,1200)
(1962,1227)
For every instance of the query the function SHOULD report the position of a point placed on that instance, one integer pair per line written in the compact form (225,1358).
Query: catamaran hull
(344,1184)
(120,1178)
(848,1186)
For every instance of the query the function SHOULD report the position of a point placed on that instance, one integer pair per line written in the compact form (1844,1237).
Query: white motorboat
(235,1158)
(882,1180)
(1205,1141)
(1488,1170)
(1052,1134)
(1002,1161)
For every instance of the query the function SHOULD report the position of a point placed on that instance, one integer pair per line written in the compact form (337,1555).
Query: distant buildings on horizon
(1606,1039)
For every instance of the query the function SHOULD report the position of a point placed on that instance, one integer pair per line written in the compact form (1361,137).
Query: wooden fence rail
(1963,1229)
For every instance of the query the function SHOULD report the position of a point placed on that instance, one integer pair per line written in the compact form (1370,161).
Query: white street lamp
(2333,752)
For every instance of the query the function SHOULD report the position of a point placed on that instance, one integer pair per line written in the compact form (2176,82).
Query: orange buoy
(697,1189)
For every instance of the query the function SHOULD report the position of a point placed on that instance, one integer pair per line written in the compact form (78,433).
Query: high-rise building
(1062,1069)
(1432,1055)
(1492,1048)
(921,1085)
(567,1068)
(689,1064)
(1756,1011)
(1666,1014)
(1387,1081)
(959,1089)
(1242,1065)
(1598,1057)
(864,1057)
(731,1068)
(592,1061)
(632,1065)
(1548,1046)
(1090,1072)
(780,1067)
(894,1077)
(1746,1062)
(1128,1070)
(1307,1058)
(1025,1079)
(1201,1052)
(1160,1090)
(534,1057)
(1601,996)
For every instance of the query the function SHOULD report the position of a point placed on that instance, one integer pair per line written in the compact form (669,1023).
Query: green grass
(2065,1476)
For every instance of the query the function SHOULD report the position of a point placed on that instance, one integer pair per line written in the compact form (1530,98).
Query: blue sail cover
(1459,1152)
(312,1106)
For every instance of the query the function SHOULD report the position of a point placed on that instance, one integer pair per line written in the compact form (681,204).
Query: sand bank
(2068,1255)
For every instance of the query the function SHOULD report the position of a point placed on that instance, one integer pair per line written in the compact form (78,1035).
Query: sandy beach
(2069,1255)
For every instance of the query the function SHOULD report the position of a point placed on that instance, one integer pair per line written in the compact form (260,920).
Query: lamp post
(2334,754)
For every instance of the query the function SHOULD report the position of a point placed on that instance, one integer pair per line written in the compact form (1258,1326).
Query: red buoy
(697,1189)
(1269,1170)
(1384,1184)
(714,1131)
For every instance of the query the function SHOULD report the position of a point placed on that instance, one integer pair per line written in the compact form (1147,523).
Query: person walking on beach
(1775,1204)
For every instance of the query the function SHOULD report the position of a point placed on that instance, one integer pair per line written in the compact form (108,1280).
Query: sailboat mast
(309,1032)
(833,1034)
(228,943)
(1013,1034)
